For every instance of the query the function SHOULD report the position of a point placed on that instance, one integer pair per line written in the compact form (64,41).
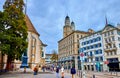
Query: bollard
(116,73)
(81,74)
(93,76)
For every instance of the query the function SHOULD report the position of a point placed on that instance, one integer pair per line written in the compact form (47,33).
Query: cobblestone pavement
(102,74)
(89,74)
(49,74)
(29,74)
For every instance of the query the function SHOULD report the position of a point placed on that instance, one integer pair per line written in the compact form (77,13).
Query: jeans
(35,73)
(57,75)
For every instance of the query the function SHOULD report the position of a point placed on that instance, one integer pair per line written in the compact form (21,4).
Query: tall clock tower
(68,27)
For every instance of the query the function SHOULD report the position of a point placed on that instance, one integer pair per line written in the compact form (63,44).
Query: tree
(13,30)
(54,57)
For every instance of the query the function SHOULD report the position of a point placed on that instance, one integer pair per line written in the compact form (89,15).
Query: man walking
(73,72)
(57,72)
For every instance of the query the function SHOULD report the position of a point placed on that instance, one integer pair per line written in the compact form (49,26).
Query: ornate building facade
(36,48)
(111,41)
(101,50)
(68,46)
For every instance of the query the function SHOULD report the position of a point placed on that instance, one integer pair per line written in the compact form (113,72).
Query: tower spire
(106,21)
(73,25)
(67,20)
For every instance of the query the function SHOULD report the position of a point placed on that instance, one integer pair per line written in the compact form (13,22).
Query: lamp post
(82,66)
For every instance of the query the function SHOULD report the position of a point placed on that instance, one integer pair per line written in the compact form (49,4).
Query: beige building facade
(68,46)
(111,41)
(36,48)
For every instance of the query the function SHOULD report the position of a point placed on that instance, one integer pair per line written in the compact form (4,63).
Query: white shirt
(62,69)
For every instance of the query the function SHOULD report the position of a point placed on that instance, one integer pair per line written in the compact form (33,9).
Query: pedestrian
(35,70)
(24,69)
(73,72)
(62,72)
(57,72)
(43,68)
(12,66)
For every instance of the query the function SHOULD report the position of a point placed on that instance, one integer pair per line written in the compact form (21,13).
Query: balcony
(108,43)
(110,49)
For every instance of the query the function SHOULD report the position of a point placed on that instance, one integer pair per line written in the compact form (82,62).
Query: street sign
(81,54)
(106,62)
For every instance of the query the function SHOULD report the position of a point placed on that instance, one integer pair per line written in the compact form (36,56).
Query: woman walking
(62,72)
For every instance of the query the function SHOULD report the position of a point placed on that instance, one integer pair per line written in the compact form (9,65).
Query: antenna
(26,7)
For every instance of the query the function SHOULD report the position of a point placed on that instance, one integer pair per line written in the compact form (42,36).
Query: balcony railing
(110,49)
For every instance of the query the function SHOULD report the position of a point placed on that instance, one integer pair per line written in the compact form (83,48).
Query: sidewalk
(89,74)
(29,74)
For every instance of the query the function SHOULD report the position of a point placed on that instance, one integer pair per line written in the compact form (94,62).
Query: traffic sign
(106,62)
(81,54)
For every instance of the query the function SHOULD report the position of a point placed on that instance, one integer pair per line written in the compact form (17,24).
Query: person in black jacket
(57,72)
(73,71)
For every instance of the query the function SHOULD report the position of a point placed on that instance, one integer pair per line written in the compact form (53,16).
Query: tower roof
(67,17)
(30,25)
(67,20)
(72,23)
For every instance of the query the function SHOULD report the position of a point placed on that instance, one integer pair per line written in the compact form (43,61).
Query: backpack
(73,71)
(57,70)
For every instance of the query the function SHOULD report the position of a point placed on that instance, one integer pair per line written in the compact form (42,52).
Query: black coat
(73,71)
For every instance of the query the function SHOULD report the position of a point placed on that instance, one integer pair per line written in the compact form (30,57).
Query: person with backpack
(57,72)
(73,72)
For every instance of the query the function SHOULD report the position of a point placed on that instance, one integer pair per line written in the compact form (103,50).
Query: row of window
(99,58)
(91,41)
(118,38)
(108,33)
(109,39)
(110,46)
(96,59)
(91,53)
(91,47)
(111,53)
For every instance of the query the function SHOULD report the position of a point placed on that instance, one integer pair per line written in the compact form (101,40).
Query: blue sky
(48,16)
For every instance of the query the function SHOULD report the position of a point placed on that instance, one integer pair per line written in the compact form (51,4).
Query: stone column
(94,66)
(90,67)
(76,62)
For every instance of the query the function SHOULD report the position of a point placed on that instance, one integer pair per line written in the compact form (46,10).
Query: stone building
(101,50)
(36,48)
(48,59)
(68,46)
(111,41)
(35,51)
